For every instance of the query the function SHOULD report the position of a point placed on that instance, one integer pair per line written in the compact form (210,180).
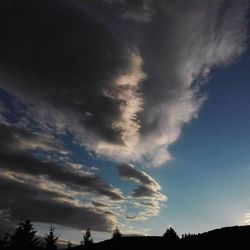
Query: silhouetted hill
(228,238)
(237,237)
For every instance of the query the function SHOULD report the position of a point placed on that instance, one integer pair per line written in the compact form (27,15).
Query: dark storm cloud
(13,157)
(122,76)
(56,53)
(140,11)
(14,138)
(23,200)
(14,186)
(48,191)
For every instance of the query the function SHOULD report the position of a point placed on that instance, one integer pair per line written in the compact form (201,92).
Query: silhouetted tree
(51,239)
(170,234)
(116,233)
(24,237)
(87,240)
(185,236)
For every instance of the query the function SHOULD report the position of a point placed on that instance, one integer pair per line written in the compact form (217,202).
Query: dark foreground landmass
(235,238)
(227,238)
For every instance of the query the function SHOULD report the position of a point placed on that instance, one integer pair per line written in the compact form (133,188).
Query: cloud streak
(47,206)
(146,196)
(55,190)
(14,157)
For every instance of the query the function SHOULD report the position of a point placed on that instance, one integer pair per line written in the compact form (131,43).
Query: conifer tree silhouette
(116,233)
(170,234)
(24,237)
(87,240)
(51,239)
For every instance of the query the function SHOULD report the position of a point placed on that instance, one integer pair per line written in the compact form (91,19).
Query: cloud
(147,186)
(145,191)
(21,199)
(146,196)
(192,38)
(122,90)
(15,138)
(58,192)
(72,74)
(118,77)
(14,157)
(129,172)
(99,204)
(139,11)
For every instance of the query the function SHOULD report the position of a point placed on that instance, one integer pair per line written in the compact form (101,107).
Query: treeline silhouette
(24,236)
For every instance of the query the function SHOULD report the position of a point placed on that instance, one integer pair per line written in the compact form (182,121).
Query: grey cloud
(140,11)
(129,172)
(14,138)
(148,203)
(67,60)
(143,191)
(14,158)
(180,47)
(146,196)
(148,187)
(22,200)
(124,90)
(99,204)
(13,185)
(191,38)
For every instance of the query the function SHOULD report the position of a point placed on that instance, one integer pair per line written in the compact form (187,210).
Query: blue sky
(207,182)
(133,115)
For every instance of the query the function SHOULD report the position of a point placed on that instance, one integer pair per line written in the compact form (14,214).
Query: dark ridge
(227,238)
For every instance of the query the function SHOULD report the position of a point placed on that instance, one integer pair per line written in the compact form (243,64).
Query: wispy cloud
(146,196)
(14,157)
(28,200)
(55,190)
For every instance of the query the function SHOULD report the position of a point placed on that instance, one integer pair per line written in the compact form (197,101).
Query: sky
(124,113)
